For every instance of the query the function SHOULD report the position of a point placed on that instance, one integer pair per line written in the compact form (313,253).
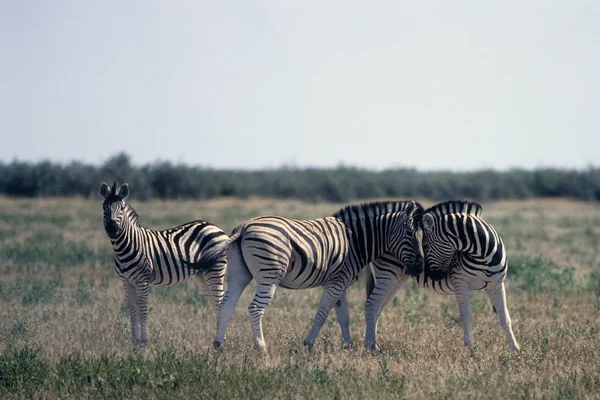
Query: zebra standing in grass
(327,252)
(462,253)
(147,257)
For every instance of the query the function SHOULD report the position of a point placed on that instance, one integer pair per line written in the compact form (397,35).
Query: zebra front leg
(262,298)
(143,289)
(498,297)
(464,307)
(343,317)
(131,296)
(386,286)
(329,297)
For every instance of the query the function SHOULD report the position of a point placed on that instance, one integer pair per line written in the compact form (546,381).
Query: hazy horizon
(458,86)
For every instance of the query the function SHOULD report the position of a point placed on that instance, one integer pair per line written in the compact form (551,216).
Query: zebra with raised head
(328,252)
(145,257)
(462,253)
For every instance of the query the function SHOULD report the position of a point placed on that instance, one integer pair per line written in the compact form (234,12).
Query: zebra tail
(371,281)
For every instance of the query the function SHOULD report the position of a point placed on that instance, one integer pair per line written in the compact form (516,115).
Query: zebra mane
(456,207)
(130,213)
(360,211)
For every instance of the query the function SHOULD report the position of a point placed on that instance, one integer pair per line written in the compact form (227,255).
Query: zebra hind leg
(238,277)
(343,317)
(211,282)
(262,298)
(464,307)
(329,297)
(498,297)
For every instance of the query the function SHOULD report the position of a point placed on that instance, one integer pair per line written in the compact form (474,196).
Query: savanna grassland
(64,330)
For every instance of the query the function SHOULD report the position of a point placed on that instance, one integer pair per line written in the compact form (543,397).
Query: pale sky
(458,85)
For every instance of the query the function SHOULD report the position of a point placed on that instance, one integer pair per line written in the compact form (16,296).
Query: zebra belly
(171,276)
(442,287)
(445,286)
(297,277)
(293,282)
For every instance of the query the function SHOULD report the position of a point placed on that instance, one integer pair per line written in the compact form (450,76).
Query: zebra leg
(498,297)
(143,289)
(464,307)
(386,286)
(212,285)
(329,297)
(131,295)
(385,289)
(262,298)
(238,277)
(343,317)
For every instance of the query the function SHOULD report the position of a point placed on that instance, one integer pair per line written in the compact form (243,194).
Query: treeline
(166,180)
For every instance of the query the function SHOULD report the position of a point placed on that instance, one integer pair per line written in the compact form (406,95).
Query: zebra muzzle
(111,228)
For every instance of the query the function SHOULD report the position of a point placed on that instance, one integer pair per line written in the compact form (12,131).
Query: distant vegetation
(165,180)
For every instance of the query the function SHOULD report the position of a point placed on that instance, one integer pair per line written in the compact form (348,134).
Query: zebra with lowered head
(328,252)
(145,257)
(462,253)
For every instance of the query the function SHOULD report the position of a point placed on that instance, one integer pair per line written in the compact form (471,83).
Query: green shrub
(166,180)
(42,291)
(594,281)
(538,275)
(83,294)
(22,368)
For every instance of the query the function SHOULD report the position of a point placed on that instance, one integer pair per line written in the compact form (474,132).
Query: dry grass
(59,294)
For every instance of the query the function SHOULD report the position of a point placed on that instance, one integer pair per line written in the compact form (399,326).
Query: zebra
(462,253)
(328,252)
(145,257)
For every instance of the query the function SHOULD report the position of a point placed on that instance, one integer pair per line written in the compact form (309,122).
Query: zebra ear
(124,191)
(104,190)
(428,222)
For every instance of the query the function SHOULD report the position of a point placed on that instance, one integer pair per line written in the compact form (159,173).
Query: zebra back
(456,207)
(372,209)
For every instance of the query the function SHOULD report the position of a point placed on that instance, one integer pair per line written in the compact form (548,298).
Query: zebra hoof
(142,344)
(261,350)
(309,346)
(347,345)
(372,347)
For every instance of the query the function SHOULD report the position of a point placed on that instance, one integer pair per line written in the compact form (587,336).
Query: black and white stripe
(145,257)
(462,253)
(327,252)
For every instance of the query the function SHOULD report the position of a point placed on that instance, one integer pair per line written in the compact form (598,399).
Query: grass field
(64,330)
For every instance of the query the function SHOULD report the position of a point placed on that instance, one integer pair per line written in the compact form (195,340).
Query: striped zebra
(462,253)
(147,257)
(328,252)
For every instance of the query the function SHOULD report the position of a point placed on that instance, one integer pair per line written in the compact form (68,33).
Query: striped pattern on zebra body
(462,253)
(328,252)
(145,257)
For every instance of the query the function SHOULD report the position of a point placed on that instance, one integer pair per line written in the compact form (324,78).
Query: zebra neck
(366,238)
(475,239)
(130,240)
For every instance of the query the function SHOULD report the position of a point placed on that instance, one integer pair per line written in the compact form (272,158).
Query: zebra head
(443,230)
(113,207)
(407,239)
